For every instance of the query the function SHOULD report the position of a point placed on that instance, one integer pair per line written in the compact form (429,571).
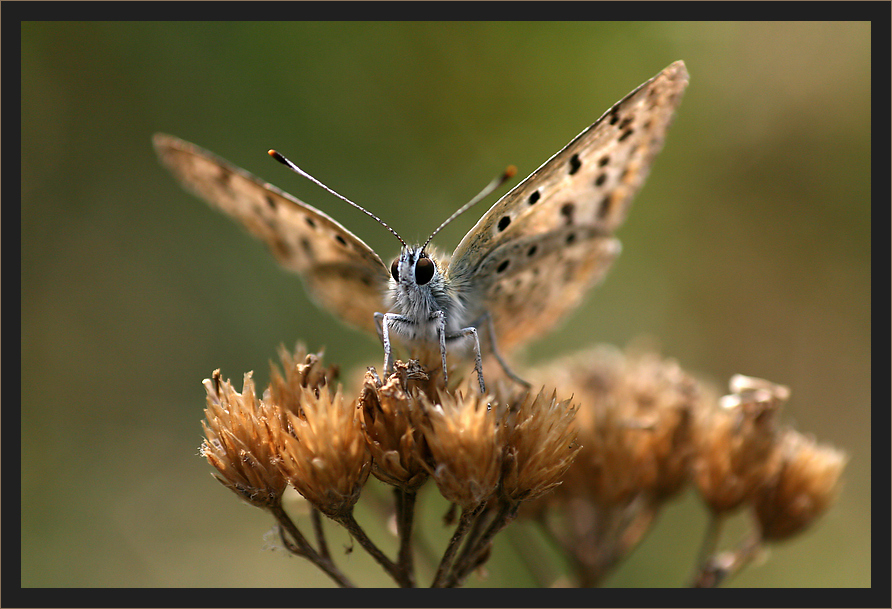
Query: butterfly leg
(478,360)
(382,324)
(491,331)
(441,333)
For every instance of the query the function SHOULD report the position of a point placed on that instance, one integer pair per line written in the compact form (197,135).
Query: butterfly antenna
(282,159)
(498,181)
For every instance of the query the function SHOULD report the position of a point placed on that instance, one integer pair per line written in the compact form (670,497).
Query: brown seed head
(541,445)
(322,453)
(635,420)
(398,448)
(237,441)
(806,486)
(301,369)
(737,444)
(465,441)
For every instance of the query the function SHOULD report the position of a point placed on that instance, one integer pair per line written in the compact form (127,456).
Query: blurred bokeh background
(747,251)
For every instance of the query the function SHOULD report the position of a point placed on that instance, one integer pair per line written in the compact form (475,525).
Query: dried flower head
(465,441)
(808,482)
(635,420)
(301,369)
(322,451)
(237,441)
(541,445)
(398,447)
(737,455)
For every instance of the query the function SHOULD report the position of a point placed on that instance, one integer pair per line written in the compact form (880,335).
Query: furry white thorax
(420,303)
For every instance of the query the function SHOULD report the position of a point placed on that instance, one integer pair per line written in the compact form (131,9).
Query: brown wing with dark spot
(340,271)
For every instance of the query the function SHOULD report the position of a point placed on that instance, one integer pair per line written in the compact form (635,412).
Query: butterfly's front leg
(478,361)
(441,334)
(382,324)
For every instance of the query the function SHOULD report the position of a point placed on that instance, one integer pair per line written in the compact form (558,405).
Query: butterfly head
(413,267)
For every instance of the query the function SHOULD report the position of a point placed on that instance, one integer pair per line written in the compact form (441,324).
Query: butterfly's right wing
(537,251)
(339,270)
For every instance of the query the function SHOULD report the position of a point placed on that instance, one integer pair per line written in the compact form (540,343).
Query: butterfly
(524,265)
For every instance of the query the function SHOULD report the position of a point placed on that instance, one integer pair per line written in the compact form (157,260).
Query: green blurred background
(747,251)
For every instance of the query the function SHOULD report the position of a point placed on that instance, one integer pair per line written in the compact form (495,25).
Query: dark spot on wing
(534,197)
(567,210)
(575,164)
(504,221)
(282,248)
(224,177)
(603,208)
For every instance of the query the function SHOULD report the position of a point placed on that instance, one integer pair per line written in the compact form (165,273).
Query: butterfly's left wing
(535,253)
(343,274)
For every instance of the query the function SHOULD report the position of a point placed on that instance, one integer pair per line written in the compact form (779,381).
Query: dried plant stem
(299,546)
(316,517)
(474,552)
(710,539)
(720,566)
(464,524)
(349,523)
(405,516)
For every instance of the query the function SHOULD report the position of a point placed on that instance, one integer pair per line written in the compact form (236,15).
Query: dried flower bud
(465,441)
(635,421)
(737,452)
(540,445)
(322,453)
(807,484)
(398,448)
(301,370)
(237,442)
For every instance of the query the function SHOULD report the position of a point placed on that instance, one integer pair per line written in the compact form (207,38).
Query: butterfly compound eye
(395,269)
(424,270)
